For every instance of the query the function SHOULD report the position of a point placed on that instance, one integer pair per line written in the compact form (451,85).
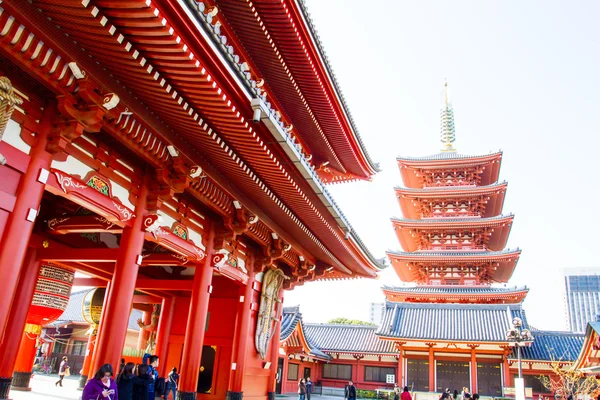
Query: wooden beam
(142,283)
(78,255)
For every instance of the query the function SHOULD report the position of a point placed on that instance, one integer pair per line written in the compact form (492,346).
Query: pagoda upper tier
(450,169)
(453,234)
(454,267)
(452,202)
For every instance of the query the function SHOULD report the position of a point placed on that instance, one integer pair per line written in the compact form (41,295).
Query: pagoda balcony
(452,202)
(460,234)
(450,169)
(456,268)
(452,294)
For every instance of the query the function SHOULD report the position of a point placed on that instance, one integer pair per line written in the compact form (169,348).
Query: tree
(346,321)
(567,382)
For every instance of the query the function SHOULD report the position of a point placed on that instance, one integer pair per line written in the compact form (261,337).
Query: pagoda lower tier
(455,268)
(453,234)
(450,169)
(452,202)
(452,294)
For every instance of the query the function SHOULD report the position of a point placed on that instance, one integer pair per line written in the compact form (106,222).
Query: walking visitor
(350,392)
(101,386)
(301,389)
(309,386)
(173,379)
(396,392)
(125,381)
(406,394)
(142,383)
(63,370)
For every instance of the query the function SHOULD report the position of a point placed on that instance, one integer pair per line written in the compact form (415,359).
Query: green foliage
(347,321)
(366,394)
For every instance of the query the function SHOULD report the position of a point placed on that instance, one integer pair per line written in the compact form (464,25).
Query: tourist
(101,386)
(406,394)
(445,396)
(152,372)
(172,380)
(455,395)
(396,392)
(465,393)
(141,385)
(475,396)
(125,381)
(63,370)
(122,366)
(309,386)
(350,392)
(301,389)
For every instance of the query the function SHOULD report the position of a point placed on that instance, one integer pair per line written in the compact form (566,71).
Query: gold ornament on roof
(8,101)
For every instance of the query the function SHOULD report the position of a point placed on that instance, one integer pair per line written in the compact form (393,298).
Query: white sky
(524,79)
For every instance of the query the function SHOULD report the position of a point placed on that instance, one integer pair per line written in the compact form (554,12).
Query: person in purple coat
(101,386)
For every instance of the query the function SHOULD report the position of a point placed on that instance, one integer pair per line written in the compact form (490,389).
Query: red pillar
(115,315)
(24,363)
(9,349)
(284,374)
(163,333)
(87,361)
(91,371)
(400,371)
(473,371)
(196,325)
(17,232)
(144,334)
(431,369)
(275,344)
(508,378)
(242,338)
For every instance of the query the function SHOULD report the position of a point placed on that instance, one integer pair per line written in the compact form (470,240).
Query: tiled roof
(443,254)
(290,318)
(74,312)
(447,156)
(549,345)
(449,322)
(450,220)
(454,289)
(333,338)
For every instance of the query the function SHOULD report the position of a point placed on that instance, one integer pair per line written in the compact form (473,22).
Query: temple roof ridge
(436,253)
(448,156)
(463,306)
(432,189)
(445,220)
(455,288)
(341,326)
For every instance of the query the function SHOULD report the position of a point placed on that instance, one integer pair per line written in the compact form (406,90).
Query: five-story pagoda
(450,327)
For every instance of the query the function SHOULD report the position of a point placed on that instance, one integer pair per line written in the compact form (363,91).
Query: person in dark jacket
(172,381)
(101,386)
(301,389)
(142,383)
(125,381)
(350,392)
(62,371)
(153,361)
(309,386)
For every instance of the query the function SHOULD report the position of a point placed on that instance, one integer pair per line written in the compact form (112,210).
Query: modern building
(582,297)
(376,312)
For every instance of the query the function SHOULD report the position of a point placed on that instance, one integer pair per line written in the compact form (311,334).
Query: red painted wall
(358,374)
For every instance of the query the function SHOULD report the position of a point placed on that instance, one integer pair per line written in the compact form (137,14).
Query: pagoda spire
(447,132)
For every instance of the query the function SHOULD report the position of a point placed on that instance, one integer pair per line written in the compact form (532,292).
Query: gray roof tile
(348,339)
(549,345)
(453,289)
(447,156)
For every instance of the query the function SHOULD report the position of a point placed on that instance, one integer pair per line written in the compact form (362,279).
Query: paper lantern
(51,295)
(92,306)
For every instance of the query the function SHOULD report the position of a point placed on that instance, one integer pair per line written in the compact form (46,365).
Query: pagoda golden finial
(447,132)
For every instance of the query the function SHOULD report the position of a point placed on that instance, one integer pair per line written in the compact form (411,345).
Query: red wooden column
(89,354)
(242,339)
(196,325)
(115,315)
(144,334)
(431,368)
(9,350)
(473,368)
(163,333)
(400,371)
(91,371)
(275,344)
(508,378)
(19,224)
(24,362)
(284,374)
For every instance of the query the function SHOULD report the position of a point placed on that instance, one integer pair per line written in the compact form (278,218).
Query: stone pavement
(42,388)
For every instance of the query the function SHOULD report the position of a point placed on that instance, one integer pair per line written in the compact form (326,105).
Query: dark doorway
(489,379)
(453,375)
(279,376)
(207,366)
(417,375)
(306,372)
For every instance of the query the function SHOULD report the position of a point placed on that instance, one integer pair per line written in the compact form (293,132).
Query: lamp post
(519,337)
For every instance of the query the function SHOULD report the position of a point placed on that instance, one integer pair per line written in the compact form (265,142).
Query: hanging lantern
(51,295)
(92,307)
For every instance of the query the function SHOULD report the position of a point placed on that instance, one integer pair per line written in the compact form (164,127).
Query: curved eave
(590,348)
(512,297)
(424,341)
(497,241)
(448,158)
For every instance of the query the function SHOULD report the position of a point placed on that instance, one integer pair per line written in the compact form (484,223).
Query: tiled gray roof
(444,220)
(333,338)
(74,312)
(443,254)
(454,289)
(290,318)
(447,156)
(548,345)
(451,322)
